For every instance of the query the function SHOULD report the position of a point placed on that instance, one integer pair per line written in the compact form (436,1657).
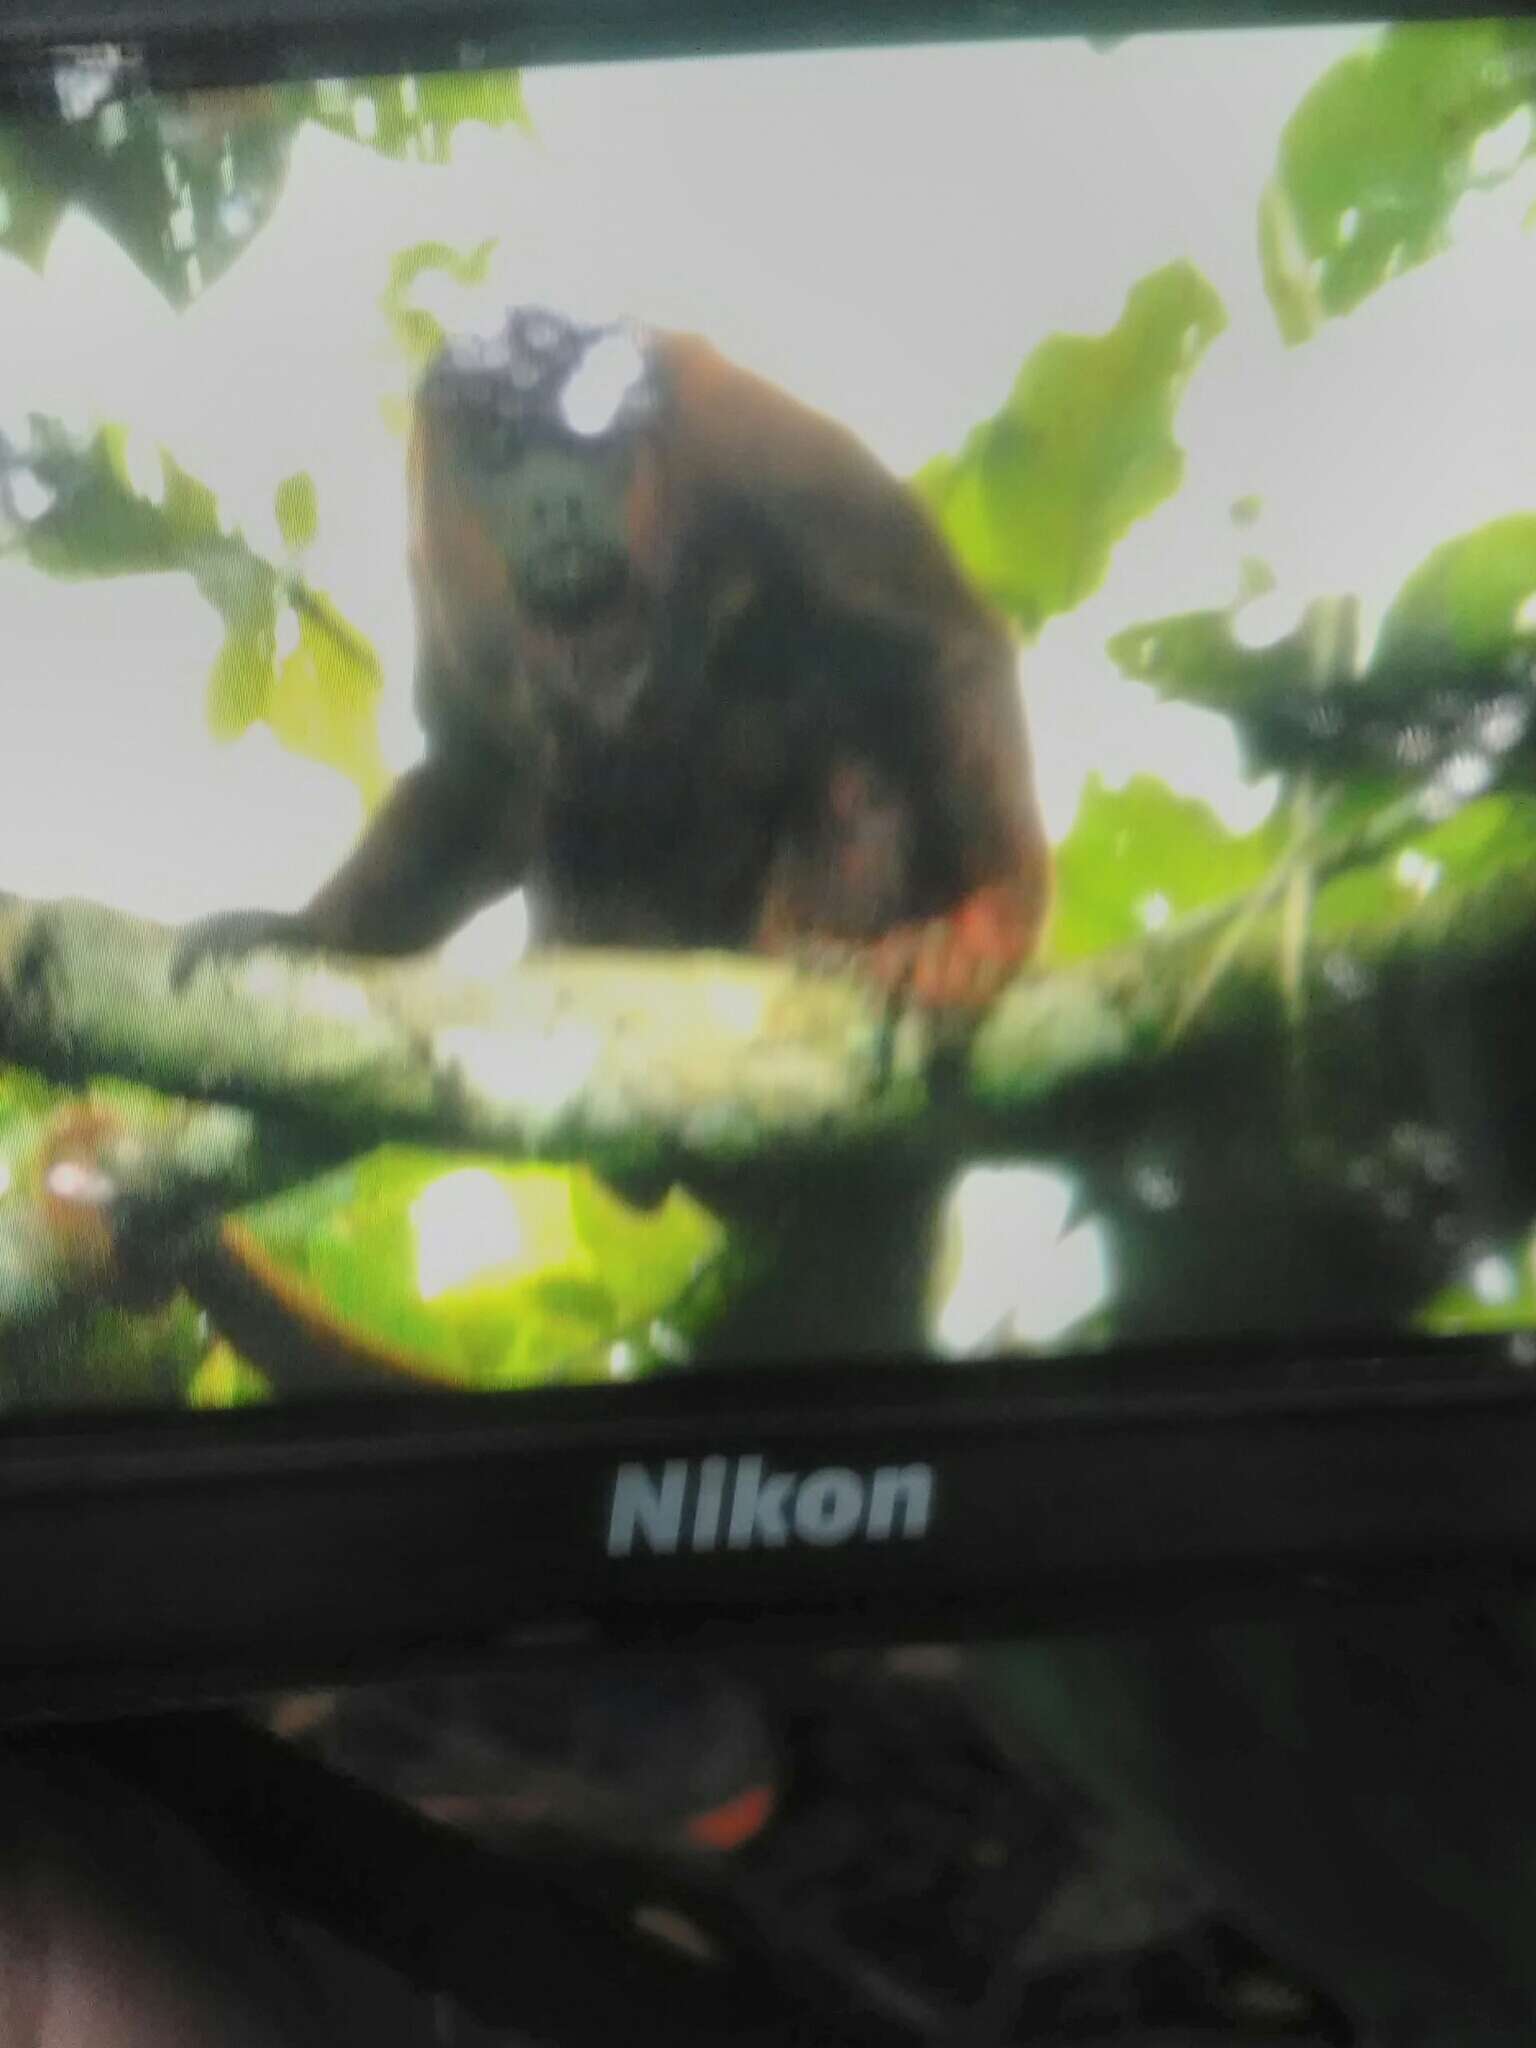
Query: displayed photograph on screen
(845,706)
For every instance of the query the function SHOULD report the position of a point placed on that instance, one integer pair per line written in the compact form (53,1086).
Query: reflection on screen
(830,706)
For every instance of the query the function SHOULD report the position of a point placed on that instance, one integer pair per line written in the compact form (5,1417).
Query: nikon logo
(739,1504)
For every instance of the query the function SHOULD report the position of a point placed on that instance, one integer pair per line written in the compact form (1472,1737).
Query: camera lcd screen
(835,706)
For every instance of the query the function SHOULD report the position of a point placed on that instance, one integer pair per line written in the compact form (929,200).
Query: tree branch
(706,1067)
(631,1061)
(640,1062)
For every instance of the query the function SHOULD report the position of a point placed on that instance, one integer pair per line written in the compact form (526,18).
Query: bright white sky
(886,234)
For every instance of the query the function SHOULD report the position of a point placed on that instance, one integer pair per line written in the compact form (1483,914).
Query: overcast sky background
(888,234)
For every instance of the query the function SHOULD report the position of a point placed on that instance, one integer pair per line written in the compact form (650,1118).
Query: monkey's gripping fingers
(959,962)
(228,936)
(956,963)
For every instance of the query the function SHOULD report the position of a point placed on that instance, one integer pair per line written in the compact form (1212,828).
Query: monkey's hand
(955,964)
(958,962)
(229,936)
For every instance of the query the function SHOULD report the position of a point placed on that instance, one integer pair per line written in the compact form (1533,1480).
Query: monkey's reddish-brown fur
(783,721)
(825,751)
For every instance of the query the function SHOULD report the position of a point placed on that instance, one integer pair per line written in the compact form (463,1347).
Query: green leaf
(191,507)
(1461,1310)
(24,1096)
(185,182)
(419,334)
(30,207)
(1451,688)
(1374,161)
(1294,702)
(226,1380)
(1449,684)
(1197,658)
(145,1360)
(421,259)
(240,682)
(324,698)
(98,523)
(297,506)
(1041,493)
(415,118)
(116,506)
(1140,856)
(492,1276)
(182,183)
(648,1257)
(1494,835)
(1465,600)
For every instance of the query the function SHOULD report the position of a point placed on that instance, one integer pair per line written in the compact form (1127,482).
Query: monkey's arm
(979,792)
(927,862)
(861,544)
(444,844)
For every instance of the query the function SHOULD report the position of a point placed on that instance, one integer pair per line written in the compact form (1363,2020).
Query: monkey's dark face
(538,499)
(545,417)
(557,513)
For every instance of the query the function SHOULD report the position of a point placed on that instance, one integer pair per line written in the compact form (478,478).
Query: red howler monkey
(696,670)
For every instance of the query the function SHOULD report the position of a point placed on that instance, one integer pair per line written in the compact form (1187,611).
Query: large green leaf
(1040,494)
(184,182)
(1502,1297)
(24,1096)
(30,204)
(1490,836)
(492,1276)
(109,506)
(117,510)
(1450,686)
(1473,598)
(182,185)
(1140,856)
(114,508)
(1375,159)
(1291,700)
(1197,658)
